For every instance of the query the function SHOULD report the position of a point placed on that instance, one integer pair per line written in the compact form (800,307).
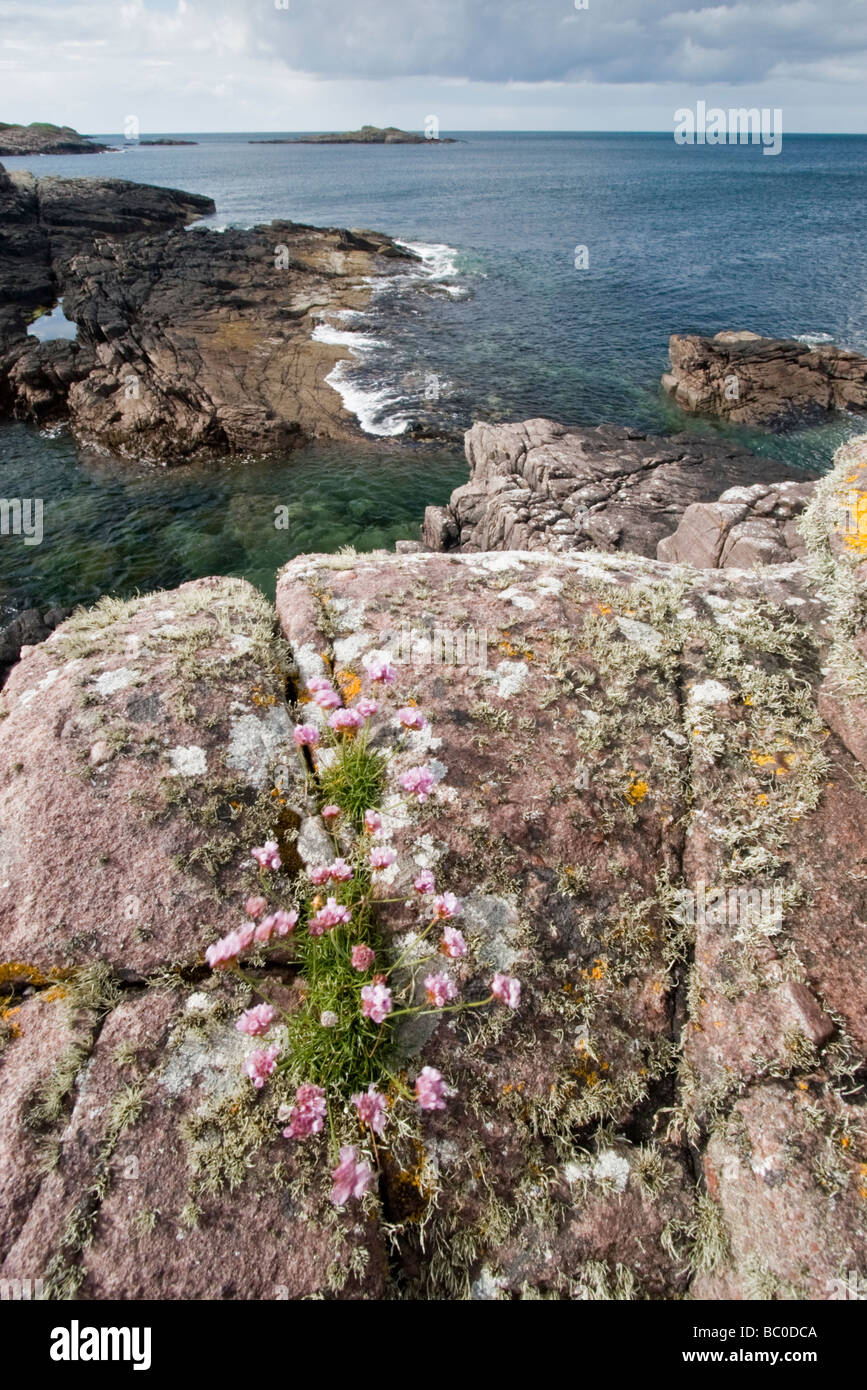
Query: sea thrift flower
(330,812)
(340,871)
(372,822)
(254,907)
(412,718)
(345,721)
(307,1115)
(331,915)
(424,882)
(246,935)
(371,1109)
(453,943)
(319,683)
(446,905)
(328,1019)
(382,858)
(419,782)
(223,951)
(362,957)
(319,876)
(381,673)
(351,1178)
(429,1089)
(256,1022)
(506,989)
(284,922)
(260,1065)
(306,735)
(268,857)
(376,1002)
(327,699)
(440,990)
(367,708)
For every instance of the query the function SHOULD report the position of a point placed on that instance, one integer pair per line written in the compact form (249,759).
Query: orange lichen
(349,684)
(637,790)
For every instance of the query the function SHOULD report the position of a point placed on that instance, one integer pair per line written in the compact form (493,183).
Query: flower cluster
(335,930)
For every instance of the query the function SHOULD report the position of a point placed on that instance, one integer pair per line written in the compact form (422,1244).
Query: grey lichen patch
(213,1062)
(496,930)
(255,741)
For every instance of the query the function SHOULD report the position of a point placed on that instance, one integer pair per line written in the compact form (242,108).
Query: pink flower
(446,905)
(254,907)
(333,914)
(330,812)
(327,699)
(351,1178)
(367,708)
(419,782)
(345,721)
(245,935)
(425,882)
(277,924)
(371,1109)
(284,922)
(503,987)
(372,822)
(260,1065)
(256,1022)
(340,871)
(429,1089)
(440,990)
(382,858)
(362,958)
(453,943)
(319,876)
(268,857)
(381,673)
(223,951)
(319,683)
(412,718)
(376,1002)
(307,1115)
(306,735)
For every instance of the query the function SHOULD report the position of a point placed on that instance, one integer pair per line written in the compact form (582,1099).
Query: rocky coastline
(646,792)
(43,138)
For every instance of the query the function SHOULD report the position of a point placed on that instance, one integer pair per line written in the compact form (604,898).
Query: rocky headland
(187,344)
(43,138)
(677,1107)
(771,382)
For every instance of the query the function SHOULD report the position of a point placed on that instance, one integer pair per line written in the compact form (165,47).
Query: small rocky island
(43,138)
(367,135)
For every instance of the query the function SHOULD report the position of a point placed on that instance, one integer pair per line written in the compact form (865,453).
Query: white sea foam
(814,339)
(342,337)
(439,264)
(375,408)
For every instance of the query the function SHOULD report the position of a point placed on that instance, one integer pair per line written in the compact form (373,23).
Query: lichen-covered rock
(649,824)
(135,746)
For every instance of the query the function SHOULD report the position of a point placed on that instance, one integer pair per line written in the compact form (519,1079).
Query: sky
(293,65)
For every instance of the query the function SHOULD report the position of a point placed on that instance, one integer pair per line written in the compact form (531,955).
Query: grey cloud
(549,40)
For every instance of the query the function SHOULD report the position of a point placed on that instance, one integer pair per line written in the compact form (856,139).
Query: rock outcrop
(745,527)
(186,344)
(540,485)
(770,382)
(43,138)
(650,824)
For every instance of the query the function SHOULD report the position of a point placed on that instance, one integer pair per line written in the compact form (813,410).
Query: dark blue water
(501,325)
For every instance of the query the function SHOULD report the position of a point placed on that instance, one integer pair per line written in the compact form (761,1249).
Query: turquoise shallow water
(500,326)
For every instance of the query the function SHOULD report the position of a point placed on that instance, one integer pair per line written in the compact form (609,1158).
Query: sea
(553,268)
